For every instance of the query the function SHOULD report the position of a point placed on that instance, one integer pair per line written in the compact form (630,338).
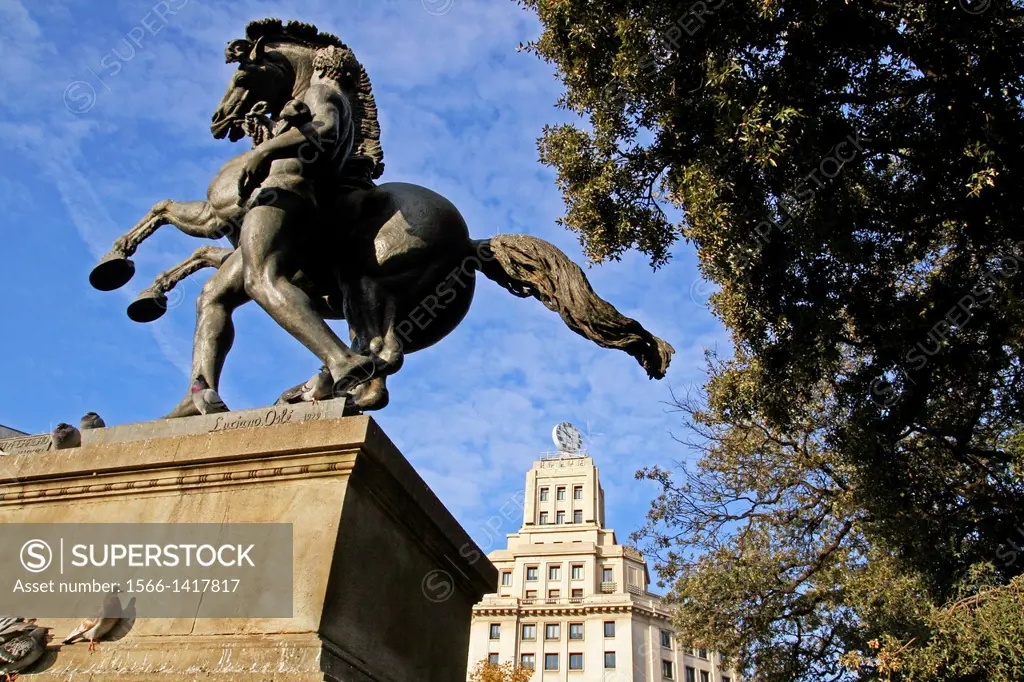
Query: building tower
(572,603)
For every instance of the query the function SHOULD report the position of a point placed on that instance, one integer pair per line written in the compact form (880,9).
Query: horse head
(263,75)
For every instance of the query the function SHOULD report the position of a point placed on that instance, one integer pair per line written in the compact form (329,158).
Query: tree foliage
(770,559)
(850,175)
(484,671)
(977,638)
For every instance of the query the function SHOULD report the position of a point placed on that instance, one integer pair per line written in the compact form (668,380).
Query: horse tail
(531,267)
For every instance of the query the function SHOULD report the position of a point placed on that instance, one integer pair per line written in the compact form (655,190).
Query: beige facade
(571,601)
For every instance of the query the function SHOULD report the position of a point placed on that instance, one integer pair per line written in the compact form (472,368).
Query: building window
(609,628)
(607,575)
(492,659)
(609,659)
(554,594)
(506,578)
(543,494)
(543,518)
(561,493)
(529,631)
(666,639)
(554,571)
(705,676)
(691,675)
(726,679)
(577,492)
(495,631)
(551,661)
(577,593)
(577,571)
(531,594)
(577,516)
(634,576)
(701,653)
(528,661)
(575,630)
(552,631)
(559,517)
(575,661)
(531,572)
(666,669)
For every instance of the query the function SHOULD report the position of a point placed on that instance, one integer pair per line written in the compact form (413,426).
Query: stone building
(572,603)
(8,432)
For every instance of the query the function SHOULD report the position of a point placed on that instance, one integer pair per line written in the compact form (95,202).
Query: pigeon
(319,387)
(205,398)
(94,629)
(65,436)
(91,420)
(12,626)
(22,651)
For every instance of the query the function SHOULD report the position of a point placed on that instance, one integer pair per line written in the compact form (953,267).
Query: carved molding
(567,610)
(121,485)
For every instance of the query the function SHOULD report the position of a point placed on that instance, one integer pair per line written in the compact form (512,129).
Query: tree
(850,174)
(485,671)
(769,557)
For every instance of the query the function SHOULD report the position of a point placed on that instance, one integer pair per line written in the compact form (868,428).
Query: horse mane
(364,109)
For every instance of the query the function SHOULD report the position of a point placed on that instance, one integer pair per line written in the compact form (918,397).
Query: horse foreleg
(152,302)
(194,218)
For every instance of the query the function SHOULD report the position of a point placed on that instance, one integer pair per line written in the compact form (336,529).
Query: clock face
(567,437)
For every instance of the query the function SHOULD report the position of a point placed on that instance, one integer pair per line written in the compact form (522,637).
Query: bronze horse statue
(394,260)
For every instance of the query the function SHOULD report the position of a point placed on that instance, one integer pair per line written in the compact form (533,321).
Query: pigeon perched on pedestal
(22,651)
(206,400)
(94,629)
(13,626)
(91,420)
(65,436)
(319,387)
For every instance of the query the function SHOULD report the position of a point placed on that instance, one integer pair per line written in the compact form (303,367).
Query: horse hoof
(147,307)
(112,272)
(373,395)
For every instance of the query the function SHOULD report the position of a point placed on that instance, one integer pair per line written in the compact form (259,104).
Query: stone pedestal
(385,578)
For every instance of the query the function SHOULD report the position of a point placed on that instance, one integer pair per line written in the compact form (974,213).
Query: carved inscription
(272,417)
(13,446)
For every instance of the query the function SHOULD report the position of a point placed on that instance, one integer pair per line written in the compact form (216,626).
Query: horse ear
(237,51)
(256,54)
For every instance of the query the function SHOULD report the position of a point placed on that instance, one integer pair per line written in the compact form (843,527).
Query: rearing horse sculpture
(394,260)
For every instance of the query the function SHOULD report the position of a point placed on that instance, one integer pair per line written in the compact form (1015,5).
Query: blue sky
(460,110)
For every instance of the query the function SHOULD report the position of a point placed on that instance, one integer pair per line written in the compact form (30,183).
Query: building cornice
(538,610)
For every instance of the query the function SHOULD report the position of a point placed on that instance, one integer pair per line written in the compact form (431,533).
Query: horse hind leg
(371,312)
(371,395)
(152,302)
(194,218)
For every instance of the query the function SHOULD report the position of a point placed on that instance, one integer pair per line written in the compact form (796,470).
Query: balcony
(553,601)
(608,588)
